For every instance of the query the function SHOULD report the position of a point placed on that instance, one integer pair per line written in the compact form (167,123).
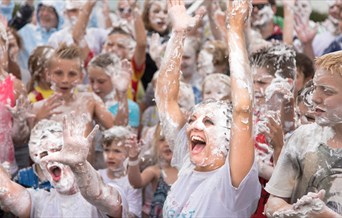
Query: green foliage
(315,15)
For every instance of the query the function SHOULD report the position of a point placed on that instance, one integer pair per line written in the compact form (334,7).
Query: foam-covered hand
(75,146)
(180,20)
(156,48)
(49,106)
(134,146)
(122,77)
(22,109)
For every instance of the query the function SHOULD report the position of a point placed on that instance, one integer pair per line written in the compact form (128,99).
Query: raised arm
(241,155)
(74,153)
(79,31)
(121,80)
(137,178)
(167,87)
(289,10)
(140,38)
(13,197)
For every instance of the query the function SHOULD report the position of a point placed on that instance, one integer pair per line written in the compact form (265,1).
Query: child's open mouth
(197,144)
(55,172)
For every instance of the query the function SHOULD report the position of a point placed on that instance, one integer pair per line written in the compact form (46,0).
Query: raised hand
(76,147)
(305,33)
(122,77)
(49,106)
(22,109)
(180,20)
(156,48)
(133,146)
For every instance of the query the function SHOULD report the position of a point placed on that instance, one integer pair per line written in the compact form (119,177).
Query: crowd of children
(170,108)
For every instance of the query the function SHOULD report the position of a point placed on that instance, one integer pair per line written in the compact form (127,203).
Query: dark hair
(37,63)
(279,59)
(305,65)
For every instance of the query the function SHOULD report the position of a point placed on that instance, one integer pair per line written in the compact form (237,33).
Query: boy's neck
(116,174)
(68,97)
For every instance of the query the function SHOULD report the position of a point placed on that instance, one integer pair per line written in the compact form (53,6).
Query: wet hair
(67,52)
(305,65)
(330,62)
(37,63)
(278,60)
(218,104)
(116,133)
(217,77)
(227,112)
(219,51)
(145,15)
(105,61)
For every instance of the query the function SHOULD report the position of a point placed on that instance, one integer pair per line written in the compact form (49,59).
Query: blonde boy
(309,168)
(65,73)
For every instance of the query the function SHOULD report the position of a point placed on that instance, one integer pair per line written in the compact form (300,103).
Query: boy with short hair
(116,142)
(65,72)
(309,168)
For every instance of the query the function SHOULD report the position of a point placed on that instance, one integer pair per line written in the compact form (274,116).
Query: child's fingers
(92,134)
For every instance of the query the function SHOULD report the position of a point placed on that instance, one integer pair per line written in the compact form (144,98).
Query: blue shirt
(133,112)
(28,178)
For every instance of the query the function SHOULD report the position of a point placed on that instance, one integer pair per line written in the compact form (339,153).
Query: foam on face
(218,134)
(264,15)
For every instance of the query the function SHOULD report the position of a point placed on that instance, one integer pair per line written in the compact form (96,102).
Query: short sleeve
(282,182)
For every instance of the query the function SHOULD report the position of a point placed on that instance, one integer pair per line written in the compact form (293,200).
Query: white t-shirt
(95,38)
(54,204)
(133,196)
(209,194)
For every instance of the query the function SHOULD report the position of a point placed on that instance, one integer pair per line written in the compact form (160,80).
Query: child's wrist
(133,162)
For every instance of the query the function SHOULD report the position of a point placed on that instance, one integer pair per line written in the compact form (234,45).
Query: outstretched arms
(167,87)
(241,155)
(13,197)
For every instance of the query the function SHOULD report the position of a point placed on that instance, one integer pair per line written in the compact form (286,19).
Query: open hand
(305,33)
(122,77)
(180,20)
(22,109)
(157,49)
(49,106)
(133,146)
(76,147)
